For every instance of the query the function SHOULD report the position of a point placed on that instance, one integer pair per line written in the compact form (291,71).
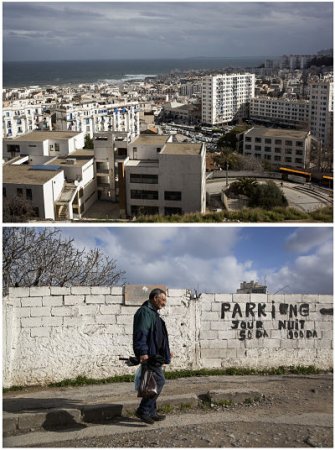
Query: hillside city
(185,142)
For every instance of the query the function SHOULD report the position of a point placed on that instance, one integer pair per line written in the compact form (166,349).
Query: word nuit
(258,310)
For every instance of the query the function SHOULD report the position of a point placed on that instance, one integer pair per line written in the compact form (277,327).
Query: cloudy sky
(218,259)
(107,30)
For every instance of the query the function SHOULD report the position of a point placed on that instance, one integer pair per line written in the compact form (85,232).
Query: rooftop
(182,149)
(26,175)
(150,140)
(276,132)
(40,136)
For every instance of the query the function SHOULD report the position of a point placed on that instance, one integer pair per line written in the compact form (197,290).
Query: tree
(267,196)
(34,257)
(17,209)
(244,186)
(88,142)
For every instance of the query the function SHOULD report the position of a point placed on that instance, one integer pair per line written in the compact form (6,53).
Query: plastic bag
(137,379)
(148,385)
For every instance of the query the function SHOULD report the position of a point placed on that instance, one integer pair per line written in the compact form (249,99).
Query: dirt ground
(291,412)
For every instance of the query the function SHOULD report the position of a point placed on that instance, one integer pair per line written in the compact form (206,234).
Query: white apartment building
(94,117)
(43,143)
(163,177)
(40,185)
(321,108)
(289,148)
(226,97)
(52,171)
(22,117)
(281,111)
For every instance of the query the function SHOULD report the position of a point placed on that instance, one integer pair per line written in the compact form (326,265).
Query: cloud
(311,272)
(174,29)
(304,239)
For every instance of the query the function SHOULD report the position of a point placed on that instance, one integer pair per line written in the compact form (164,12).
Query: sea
(44,73)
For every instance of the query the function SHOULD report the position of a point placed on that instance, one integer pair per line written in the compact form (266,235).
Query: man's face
(159,301)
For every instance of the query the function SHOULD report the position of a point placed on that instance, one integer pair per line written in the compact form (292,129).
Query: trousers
(148,406)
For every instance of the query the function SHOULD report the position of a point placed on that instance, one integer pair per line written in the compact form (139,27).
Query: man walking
(151,346)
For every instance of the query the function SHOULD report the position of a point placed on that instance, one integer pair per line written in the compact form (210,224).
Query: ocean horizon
(42,73)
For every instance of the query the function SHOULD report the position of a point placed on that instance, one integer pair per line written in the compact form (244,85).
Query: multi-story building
(110,148)
(290,148)
(225,97)
(52,171)
(22,117)
(321,107)
(251,287)
(163,177)
(43,143)
(96,117)
(280,111)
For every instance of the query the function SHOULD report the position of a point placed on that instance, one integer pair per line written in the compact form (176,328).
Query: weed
(185,406)
(83,380)
(166,408)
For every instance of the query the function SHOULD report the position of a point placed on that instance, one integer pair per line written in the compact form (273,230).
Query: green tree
(244,186)
(88,142)
(267,196)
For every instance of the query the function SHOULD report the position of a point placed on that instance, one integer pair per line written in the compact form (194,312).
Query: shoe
(144,418)
(158,417)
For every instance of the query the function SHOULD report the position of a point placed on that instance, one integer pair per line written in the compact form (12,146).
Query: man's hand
(143,358)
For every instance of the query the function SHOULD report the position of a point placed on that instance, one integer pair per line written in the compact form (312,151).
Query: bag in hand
(148,385)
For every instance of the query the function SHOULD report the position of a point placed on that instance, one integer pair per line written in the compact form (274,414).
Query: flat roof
(40,136)
(26,175)
(277,132)
(65,162)
(82,152)
(142,163)
(182,149)
(150,140)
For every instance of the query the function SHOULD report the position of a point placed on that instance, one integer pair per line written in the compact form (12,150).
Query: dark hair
(155,292)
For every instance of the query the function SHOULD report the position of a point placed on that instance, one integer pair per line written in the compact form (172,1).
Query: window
(57,147)
(268,141)
(299,144)
(143,195)
(172,195)
(258,147)
(29,194)
(267,149)
(4,192)
(143,178)
(158,149)
(248,139)
(19,192)
(278,141)
(258,139)
(288,142)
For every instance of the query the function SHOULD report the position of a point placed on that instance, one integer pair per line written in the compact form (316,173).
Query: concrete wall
(53,333)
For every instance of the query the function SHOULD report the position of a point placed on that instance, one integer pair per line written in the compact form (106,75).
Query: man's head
(157,298)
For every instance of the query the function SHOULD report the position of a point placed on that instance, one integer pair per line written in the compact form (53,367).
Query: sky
(288,260)
(35,31)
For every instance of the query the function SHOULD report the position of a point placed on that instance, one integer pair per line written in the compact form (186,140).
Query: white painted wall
(53,333)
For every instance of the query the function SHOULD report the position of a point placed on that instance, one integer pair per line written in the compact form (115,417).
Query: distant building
(321,109)
(251,288)
(225,97)
(280,111)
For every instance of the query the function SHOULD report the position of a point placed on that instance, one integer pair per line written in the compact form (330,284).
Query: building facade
(289,148)
(163,177)
(280,111)
(225,97)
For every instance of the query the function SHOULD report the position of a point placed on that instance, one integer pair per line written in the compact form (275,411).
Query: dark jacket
(150,335)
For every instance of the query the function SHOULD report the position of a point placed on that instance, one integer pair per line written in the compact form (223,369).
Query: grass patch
(166,409)
(83,380)
(278,214)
